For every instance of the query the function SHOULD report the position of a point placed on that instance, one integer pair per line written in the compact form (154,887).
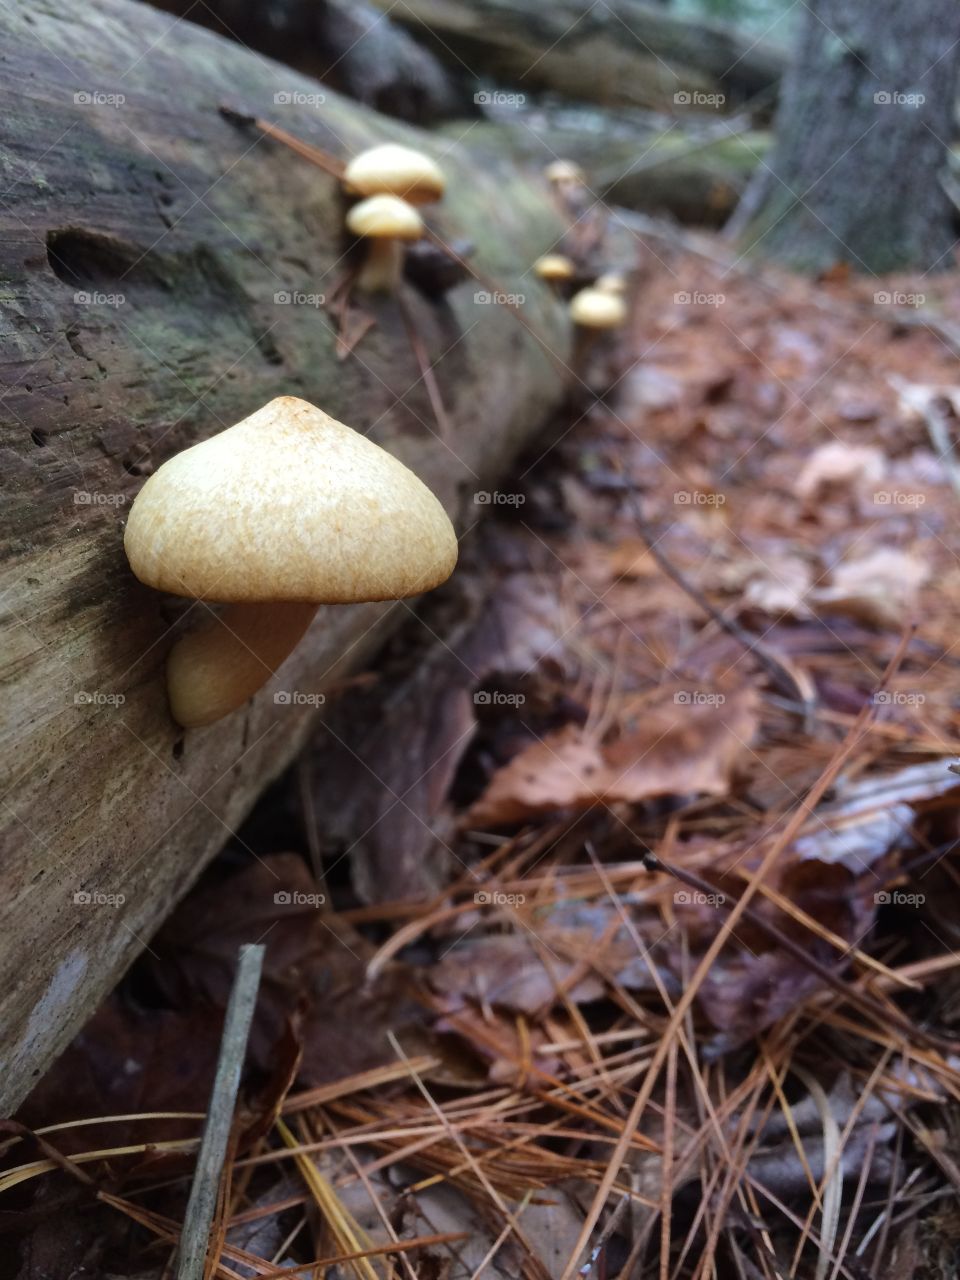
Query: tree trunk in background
(863,126)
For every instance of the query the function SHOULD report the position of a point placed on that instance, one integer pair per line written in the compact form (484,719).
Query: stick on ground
(223,1100)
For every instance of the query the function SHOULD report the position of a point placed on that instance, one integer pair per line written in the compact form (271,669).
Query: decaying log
(695,179)
(161,268)
(621,53)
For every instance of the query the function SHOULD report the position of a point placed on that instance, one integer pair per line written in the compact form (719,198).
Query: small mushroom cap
(554,266)
(564,171)
(611,282)
(385,216)
(397,171)
(289,504)
(596,310)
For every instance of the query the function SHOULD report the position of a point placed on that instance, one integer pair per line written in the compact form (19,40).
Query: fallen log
(696,179)
(164,272)
(618,54)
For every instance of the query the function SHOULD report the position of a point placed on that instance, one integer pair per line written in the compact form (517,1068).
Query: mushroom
(396,171)
(565,175)
(385,221)
(611,282)
(284,511)
(555,268)
(595,309)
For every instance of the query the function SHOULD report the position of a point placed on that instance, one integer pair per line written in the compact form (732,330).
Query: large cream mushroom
(391,169)
(284,511)
(384,222)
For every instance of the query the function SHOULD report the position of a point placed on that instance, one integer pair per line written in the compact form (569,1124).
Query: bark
(159,268)
(863,126)
(621,53)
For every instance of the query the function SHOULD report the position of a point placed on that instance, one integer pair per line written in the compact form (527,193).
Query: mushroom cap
(397,171)
(554,266)
(288,504)
(385,216)
(564,171)
(611,282)
(596,310)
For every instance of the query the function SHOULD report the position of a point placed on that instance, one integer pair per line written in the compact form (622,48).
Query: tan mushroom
(384,222)
(284,511)
(391,169)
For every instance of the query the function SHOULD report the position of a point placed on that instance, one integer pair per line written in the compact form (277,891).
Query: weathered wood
(149,250)
(619,53)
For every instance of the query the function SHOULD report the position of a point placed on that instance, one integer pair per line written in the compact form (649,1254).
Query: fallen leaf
(689,743)
(880,588)
(852,466)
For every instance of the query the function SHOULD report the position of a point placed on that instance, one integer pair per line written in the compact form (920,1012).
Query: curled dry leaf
(880,588)
(685,743)
(856,467)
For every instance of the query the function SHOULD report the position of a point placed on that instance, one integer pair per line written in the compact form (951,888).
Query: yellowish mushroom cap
(394,170)
(289,504)
(595,310)
(554,266)
(611,282)
(564,171)
(385,216)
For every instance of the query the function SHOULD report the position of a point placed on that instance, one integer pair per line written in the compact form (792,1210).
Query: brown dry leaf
(880,588)
(780,586)
(858,467)
(687,743)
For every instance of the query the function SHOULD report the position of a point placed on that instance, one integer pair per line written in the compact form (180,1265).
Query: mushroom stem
(382,267)
(213,671)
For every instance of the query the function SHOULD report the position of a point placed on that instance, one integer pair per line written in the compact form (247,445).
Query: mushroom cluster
(392,180)
(287,510)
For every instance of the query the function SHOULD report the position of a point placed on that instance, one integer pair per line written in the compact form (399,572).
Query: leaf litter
(612,930)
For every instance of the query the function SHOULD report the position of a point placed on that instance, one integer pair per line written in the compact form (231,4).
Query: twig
(223,1099)
(322,159)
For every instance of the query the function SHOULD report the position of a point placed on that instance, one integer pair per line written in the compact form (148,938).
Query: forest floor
(715,620)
